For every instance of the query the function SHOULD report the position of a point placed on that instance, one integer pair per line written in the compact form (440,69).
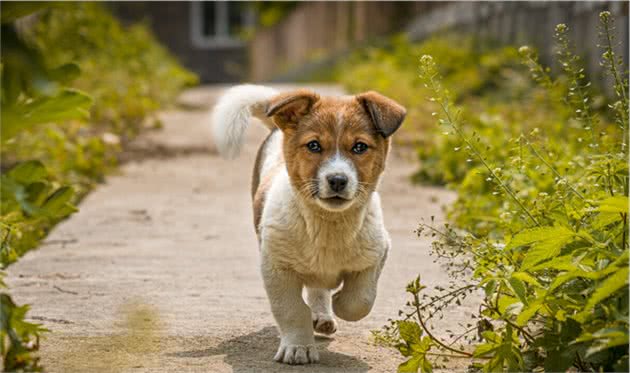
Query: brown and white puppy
(316,211)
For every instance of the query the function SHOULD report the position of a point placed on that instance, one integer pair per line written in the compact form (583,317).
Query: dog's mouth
(334,202)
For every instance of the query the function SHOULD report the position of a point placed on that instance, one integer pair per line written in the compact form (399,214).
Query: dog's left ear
(288,108)
(386,114)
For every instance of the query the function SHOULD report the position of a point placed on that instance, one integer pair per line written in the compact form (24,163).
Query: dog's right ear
(287,109)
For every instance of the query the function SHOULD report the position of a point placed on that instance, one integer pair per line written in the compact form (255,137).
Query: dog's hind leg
(320,301)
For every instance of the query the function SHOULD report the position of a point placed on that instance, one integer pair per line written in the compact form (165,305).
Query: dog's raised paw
(297,354)
(324,324)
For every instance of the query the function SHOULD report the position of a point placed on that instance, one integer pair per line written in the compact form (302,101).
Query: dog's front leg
(355,299)
(284,290)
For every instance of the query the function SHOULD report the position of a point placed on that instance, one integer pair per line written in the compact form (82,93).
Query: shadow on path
(253,352)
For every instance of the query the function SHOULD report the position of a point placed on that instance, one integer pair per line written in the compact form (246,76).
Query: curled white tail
(230,116)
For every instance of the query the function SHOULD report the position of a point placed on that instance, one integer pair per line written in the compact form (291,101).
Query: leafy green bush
(540,233)
(127,74)
(57,140)
(485,80)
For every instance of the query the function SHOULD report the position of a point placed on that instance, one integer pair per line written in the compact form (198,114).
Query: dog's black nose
(337,182)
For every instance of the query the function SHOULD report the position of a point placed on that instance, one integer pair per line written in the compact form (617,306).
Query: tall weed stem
(429,74)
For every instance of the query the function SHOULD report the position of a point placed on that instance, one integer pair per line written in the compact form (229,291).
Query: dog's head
(335,147)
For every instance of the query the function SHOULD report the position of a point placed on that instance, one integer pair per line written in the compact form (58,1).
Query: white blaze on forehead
(338,165)
(340,117)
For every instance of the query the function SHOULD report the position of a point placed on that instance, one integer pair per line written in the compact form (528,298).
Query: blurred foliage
(539,230)
(76,85)
(18,339)
(485,80)
(270,13)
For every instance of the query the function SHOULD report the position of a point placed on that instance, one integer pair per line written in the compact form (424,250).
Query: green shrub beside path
(540,226)
(76,86)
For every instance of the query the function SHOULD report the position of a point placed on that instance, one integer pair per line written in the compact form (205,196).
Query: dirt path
(159,269)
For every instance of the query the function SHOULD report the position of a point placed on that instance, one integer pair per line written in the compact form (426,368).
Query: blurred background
(229,41)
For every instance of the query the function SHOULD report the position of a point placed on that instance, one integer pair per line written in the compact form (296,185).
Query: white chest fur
(320,248)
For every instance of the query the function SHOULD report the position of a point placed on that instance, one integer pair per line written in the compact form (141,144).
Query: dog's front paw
(297,354)
(325,324)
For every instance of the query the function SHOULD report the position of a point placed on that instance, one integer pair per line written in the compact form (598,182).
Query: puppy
(316,210)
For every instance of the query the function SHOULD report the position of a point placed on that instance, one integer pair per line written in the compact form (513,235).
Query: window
(216,24)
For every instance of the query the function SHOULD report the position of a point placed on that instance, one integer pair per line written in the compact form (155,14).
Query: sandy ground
(159,269)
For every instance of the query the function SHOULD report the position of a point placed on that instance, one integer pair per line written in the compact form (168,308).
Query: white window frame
(222,38)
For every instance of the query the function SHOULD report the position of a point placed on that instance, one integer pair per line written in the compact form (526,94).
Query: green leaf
(559,359)
(533,235)
(614,204)
(504,302)
(519,289)
(410,366)
(526,277)
(608,287)
(603,339)
(491,336)
(527,313)
(544,250)
(58,204)
(561,315)
(609,343)
(28,172)
(592,275)
(490,287)
(37,192)
(610,211)
(484,349)
(604,219)
(409,331)
(561,263)
(68,104)
(545,243)
(418,349)
(65,73)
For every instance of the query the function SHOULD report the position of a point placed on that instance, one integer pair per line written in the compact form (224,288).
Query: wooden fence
(319,30)
(316,33)
(529,23)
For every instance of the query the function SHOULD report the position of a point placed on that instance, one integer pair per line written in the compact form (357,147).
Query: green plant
(31,203)
(57,140)
(18,339)
(550,261)
(484,79)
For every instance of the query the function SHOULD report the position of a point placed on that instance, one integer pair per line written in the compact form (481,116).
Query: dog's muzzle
(338,184)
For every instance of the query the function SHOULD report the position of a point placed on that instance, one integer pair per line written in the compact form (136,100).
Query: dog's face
(335,148)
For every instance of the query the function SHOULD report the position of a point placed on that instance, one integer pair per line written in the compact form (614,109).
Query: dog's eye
(359,148)
(314,147)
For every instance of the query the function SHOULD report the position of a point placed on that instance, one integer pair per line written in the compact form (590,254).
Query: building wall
(171,22)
